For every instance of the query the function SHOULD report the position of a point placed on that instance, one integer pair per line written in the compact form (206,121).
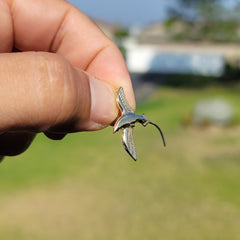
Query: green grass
(87,187)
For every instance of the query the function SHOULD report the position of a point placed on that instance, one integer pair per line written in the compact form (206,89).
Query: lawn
(86,186)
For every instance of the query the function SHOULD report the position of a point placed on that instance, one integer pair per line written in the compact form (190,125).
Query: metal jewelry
(127,121)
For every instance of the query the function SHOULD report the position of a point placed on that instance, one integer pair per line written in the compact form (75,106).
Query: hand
(62,80)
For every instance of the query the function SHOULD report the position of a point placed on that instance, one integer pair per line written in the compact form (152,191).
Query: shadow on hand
(1,158)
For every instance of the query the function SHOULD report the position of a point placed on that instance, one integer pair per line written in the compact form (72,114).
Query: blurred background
(184,59)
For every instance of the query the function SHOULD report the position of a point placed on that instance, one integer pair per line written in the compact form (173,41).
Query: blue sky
(129,12)
(133,12)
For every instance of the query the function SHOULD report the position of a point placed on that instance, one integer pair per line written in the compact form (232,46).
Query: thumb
(43,92)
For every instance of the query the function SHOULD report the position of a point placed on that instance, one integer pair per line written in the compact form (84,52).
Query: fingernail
(103,103)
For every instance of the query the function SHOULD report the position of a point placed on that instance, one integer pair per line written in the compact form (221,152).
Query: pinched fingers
(46,92)
(57,26)
(43,92)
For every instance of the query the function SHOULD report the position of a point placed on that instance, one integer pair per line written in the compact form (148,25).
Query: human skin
(63,78)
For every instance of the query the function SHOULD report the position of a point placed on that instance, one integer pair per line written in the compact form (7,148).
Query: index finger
(57,26)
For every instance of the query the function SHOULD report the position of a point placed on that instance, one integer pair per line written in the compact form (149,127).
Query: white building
(155,59)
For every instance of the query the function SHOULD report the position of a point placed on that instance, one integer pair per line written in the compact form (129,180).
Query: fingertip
(110,66)
(55,136)
(14,143)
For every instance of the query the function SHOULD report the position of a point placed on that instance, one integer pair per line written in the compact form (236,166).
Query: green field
(86,187)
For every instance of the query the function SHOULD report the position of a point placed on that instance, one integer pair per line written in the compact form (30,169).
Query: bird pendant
(127,121)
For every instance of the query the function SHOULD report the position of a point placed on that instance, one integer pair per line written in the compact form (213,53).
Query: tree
(192,10)
(203,20)
(119,35)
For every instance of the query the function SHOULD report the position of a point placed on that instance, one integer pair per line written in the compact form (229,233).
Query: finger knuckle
(56,89)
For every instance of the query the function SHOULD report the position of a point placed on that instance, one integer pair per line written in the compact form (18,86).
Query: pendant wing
(128,142)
